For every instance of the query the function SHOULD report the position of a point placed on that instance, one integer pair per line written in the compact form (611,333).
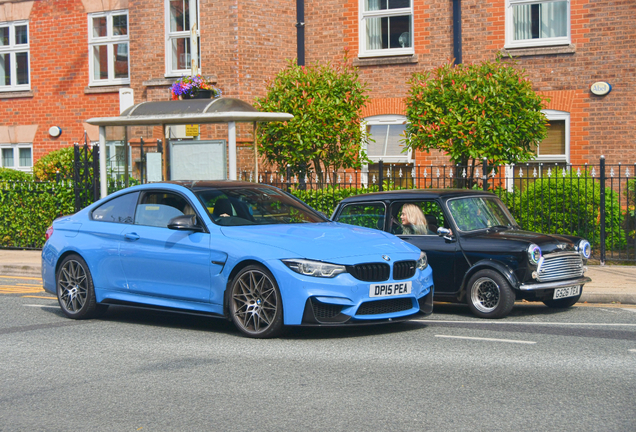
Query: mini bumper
(555,284)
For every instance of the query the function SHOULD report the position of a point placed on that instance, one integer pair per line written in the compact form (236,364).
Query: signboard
(600,88)
(198,160)
(192,130)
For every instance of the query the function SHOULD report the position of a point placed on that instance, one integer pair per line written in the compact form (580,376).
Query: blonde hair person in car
(413,220)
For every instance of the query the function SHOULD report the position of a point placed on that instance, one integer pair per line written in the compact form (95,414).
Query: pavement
(610,283)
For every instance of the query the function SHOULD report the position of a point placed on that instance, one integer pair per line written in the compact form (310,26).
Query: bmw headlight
(422,263)
(534,254)
(585,249)
(314,268)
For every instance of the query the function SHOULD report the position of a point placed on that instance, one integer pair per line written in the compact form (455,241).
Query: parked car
(243,251)
(479,254)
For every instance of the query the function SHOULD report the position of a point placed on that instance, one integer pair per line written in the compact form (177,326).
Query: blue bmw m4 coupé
(247,252)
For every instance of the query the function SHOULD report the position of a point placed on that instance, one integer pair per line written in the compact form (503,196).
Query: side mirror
(184,223)
(445,232)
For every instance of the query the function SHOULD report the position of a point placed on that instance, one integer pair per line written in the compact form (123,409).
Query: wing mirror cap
(184,223)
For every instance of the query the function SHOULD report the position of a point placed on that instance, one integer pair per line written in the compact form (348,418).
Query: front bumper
(556,284)
(345,300)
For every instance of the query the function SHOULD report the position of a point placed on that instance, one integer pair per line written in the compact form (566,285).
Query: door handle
(131,236)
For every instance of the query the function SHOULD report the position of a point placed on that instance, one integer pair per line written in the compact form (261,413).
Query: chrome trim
(557,284)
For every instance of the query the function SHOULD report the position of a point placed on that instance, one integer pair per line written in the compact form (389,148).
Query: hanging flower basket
(194,87)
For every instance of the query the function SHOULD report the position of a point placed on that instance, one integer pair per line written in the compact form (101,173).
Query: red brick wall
(603,36)
(58,33)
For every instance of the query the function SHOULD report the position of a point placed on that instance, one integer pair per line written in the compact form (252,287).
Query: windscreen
(255,206)
(475,213)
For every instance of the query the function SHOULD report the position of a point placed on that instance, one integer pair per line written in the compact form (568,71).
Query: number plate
(560,293)
(390,289)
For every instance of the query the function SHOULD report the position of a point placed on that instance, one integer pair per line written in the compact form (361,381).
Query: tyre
(255,303)
(489,295)
(564,302)
(75,291)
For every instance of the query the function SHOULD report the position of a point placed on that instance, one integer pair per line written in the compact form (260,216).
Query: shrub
(27,208)
(570,207)
(11,174)
(46,168)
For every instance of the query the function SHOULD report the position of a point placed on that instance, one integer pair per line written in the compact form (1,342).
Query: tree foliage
(325,133)
(486,110)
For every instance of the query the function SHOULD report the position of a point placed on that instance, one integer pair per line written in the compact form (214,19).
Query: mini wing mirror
(445,232)
(184,223)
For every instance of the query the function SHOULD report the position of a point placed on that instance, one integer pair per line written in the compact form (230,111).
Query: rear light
(49,232)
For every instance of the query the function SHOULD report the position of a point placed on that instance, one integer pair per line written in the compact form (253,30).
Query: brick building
(65,61)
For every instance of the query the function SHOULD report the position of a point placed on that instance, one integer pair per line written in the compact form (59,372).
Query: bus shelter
(183,112)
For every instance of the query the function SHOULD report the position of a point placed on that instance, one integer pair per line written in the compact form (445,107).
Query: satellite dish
(405,39)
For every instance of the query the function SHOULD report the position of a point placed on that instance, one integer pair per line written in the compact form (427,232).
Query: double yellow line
(21,288)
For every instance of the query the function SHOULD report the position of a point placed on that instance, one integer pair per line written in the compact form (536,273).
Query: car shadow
(520,310)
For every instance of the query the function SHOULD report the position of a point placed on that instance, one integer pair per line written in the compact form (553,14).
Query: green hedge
(568,206)
(27,209)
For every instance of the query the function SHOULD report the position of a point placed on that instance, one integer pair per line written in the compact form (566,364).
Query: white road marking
(629,309)
(484,322)
(40,306)
(486,339)
(632,350)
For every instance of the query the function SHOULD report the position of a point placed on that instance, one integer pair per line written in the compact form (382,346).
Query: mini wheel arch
(502,269)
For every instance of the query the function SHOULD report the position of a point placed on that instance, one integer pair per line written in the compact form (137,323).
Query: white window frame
(12,49)
(16,156)
(525,43)
(170,36)
(558,115)
(363,16)
(382,120)
(110,41)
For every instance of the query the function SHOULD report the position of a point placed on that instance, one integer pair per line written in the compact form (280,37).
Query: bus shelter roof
(190,111)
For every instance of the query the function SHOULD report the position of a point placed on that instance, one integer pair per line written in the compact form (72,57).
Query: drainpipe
(300,34)
(457,31)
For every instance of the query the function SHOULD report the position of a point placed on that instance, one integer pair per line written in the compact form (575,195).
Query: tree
(325,133)
(486,110)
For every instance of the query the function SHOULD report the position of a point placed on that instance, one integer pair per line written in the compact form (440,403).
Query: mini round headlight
(422,263)
(585,249)
(534,254)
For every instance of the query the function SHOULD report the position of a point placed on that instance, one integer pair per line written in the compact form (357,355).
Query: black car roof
(415,194)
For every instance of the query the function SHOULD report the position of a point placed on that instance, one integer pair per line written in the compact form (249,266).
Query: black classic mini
(479,255)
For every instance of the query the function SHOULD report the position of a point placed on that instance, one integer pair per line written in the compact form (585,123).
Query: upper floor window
(16,156)
(180,17)
(532,23)
(386,27)
(108,48)
(14,56)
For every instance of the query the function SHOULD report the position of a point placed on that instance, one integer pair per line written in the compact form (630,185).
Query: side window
(417,218)
(369,215)
(157,208)
(118,210)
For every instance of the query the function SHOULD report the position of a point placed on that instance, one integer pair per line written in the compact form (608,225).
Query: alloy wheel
(73,286)
(485,295)
(254,302)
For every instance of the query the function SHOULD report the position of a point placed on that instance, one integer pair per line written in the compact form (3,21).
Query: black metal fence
(596,202)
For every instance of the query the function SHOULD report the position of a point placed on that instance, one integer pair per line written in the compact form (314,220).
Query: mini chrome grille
(370,272)
(403,270)
(560,265)
(385,306)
